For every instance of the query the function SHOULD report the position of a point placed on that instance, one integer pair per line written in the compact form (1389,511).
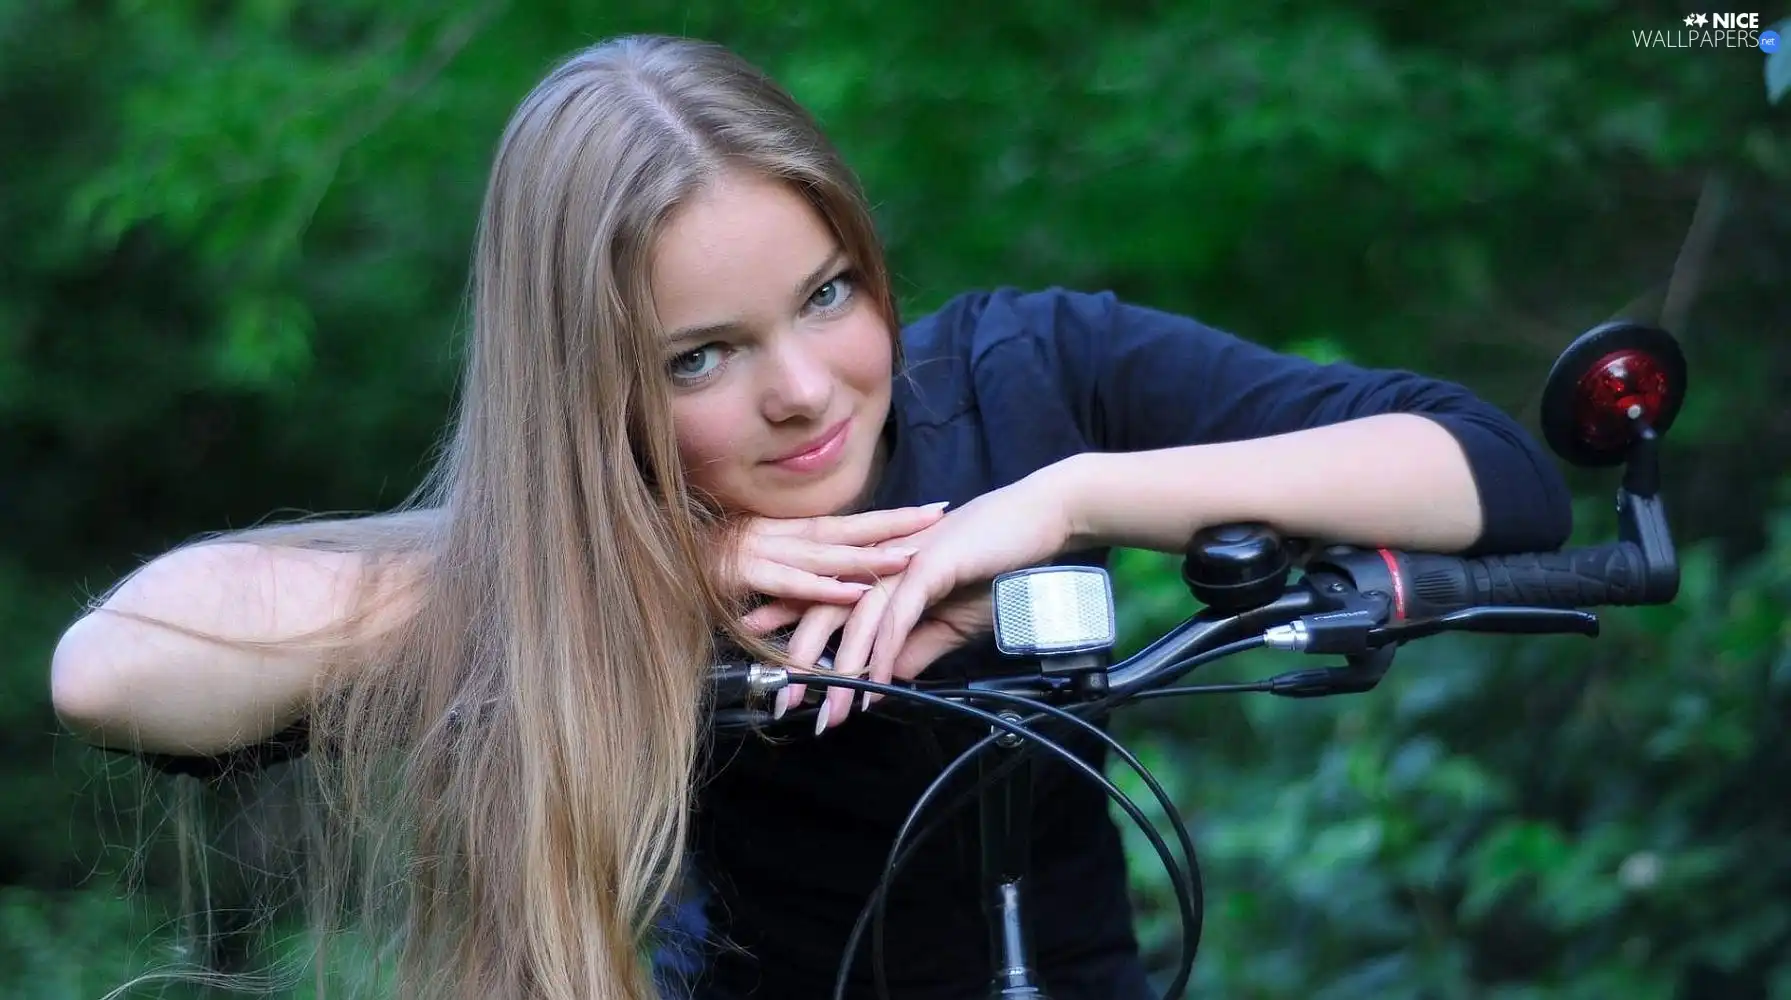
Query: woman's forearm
(122,682)
(1398,479)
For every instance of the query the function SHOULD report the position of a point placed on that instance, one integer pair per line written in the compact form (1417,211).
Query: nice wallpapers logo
(1730,31)
(1712,31)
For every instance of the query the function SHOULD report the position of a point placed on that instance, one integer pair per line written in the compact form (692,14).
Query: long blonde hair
(506,773)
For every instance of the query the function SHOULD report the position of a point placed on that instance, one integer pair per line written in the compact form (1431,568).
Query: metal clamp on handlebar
(744,683)
(1354,632)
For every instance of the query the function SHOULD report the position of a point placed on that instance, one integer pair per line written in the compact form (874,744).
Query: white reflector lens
(1049,610)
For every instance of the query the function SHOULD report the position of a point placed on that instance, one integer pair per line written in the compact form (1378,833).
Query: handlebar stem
(1005,807)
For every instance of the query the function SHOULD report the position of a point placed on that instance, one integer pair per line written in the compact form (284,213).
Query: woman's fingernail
(906,551)
(855,585)
(781,704)
(864,704)
(941,505)
(821,719)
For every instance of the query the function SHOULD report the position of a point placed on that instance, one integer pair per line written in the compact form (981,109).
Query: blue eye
(832,295)
(697,364)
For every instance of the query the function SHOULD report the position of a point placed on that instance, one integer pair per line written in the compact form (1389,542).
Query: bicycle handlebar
(1604,575)
(1349,601)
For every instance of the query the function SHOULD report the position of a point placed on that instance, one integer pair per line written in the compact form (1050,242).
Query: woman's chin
(837,494)
(810,504)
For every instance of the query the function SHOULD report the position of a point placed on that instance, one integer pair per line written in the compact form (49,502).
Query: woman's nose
(799,383)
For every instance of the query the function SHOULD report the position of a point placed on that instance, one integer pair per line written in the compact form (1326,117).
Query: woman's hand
(815,624)
(908,620)
(824,560)
(816,570)
(1025,524)
(944,626)
(960,618)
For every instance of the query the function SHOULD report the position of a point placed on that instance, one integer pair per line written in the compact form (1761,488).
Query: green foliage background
(232,245)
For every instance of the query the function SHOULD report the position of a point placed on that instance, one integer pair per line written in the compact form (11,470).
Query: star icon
(1702,20)
(1691,19)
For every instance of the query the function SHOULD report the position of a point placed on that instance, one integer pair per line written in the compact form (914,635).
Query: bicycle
(1609,399)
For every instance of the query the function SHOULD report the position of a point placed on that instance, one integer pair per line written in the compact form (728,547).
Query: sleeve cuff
(1525,505)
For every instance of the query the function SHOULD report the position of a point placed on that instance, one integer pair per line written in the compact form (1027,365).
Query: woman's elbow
(1555,521)
(1525,511)
(84,691)
(1525,504)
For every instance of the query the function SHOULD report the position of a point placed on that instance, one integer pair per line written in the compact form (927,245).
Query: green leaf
(266,340)
(1515,852)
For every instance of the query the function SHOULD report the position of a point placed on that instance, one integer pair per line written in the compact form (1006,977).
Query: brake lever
(1501,620)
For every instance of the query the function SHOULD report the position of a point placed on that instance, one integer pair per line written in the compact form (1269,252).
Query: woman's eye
(696,364)
(833,294)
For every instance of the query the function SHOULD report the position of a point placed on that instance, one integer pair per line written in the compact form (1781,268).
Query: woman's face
(779,360)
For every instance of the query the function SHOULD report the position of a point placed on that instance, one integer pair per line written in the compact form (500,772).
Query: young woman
(690,410)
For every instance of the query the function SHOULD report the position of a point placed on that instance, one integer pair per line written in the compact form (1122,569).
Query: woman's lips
(818,455)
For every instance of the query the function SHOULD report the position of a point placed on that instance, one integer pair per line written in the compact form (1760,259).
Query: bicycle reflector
(1610,383)
(1054,611)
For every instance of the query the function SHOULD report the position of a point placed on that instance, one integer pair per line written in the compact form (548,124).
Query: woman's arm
(124,683)
(1223,429)
(1191,427)
(1397,479)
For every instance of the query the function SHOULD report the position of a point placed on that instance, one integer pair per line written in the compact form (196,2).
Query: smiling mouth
(818,452)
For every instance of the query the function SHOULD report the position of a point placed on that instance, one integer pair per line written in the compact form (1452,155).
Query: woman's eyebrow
(704,334)
(834,260)
(713,331)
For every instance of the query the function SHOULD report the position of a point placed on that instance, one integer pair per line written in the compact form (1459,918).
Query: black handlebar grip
(1574,578)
